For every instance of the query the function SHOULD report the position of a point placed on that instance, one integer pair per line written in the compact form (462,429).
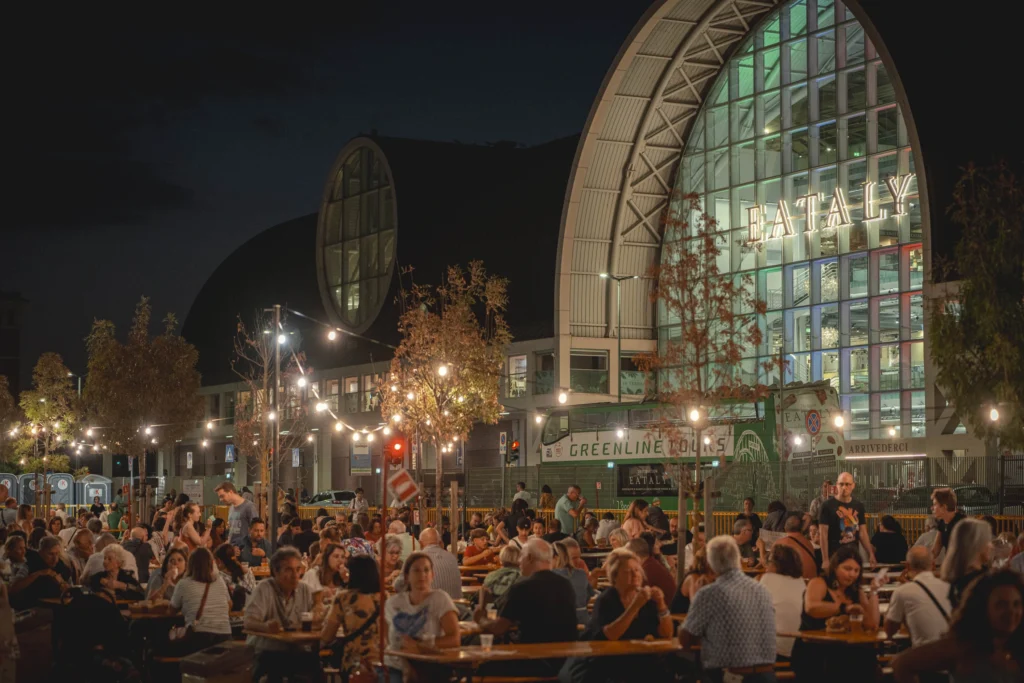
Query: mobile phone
(882,573)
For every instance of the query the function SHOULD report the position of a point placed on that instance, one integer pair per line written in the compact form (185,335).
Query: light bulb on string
(410,396)
(332,335)
(149,430)
(694,415)
(397,417)
(88,432)
(369,438)
(281,339)
(301,382)
(538,419)
(321,407)
(839,421)
(338,426)
(272,416)
(355,436)
(563,397)
(386,431)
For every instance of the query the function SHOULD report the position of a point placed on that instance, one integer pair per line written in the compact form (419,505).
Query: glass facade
(805,112)
(359,240)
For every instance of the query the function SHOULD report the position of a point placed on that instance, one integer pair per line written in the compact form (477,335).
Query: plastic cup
(428,640)
(486,641)
(492,613)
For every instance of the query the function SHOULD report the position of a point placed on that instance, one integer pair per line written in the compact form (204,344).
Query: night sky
(140,157)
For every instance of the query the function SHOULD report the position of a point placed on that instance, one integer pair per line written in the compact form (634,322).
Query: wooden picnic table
(471,656)
(469,590)
(291,637)
(469,628)
(478,568)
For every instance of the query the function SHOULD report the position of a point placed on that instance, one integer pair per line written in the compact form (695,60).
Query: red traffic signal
(395,449)
(515,446)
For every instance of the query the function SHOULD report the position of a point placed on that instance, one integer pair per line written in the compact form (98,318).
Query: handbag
(179,633)
(364,673)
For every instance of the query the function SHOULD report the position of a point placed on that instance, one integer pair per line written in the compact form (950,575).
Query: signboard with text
(646,480)
(359,463)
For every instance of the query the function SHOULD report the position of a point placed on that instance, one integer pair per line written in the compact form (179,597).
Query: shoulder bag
(364,672)
(179,633)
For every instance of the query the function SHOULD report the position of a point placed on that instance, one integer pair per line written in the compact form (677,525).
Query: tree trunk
(438,483)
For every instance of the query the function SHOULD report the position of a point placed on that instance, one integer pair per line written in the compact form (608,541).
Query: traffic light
(395,449)
(513,452)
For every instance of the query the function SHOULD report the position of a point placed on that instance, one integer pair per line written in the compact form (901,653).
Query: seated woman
(784,580)
(202,598)
(700,575)
(889,542)
(240,582)
(499,581)
(163,580)
(587,535)
(419,618)
(830,601)
(114,579)
(985,641)
(330,574)
(392,560)
(617,539)
(579,579)
(626,611)
(356,609)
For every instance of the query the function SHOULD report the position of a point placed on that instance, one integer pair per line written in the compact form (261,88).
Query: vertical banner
(295,457)
(188,460)
(359,463)
(229,452)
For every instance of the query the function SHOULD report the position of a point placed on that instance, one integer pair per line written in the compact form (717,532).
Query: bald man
(922,603)
(841,521)
(446,568)
(138,545)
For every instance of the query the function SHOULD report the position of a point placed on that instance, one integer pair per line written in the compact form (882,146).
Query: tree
(10,420)
(699,365)
(51,410)
(143,391)
(445,374)
(254,365)
(978,336)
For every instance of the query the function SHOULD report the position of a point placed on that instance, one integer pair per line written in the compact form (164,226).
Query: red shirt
(471,551)
(655,574)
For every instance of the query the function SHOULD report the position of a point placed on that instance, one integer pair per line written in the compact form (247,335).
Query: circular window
(357,236)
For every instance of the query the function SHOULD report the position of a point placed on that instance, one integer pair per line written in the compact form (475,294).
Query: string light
(153,441)
(707,440)
(209,425)
(88,432)
(301,382)
(892,431)
(387,431)
(798,440)
(397,417)
(410,396)
(309,438)
(321,407)
(369,437)
(332,335)
(149,430)
(538,419)
(562,397)
(281,339)
(620,433)
(694,415)
(993,415)
(338,426)
(355,436)
(205,442)
(271,416)
(839,421)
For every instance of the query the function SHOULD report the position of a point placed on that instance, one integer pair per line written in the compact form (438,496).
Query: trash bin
(225,663)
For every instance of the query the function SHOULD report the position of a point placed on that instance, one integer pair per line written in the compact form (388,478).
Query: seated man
(277,605)
(47,577)
(655,573)
(922,603)
(542,604)
(138,547)
(742,533)
(255,546)
(554,531)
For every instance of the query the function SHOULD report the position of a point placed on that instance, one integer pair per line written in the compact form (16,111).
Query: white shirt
(788,599)
(605,527)
(188,596)
(910,603)
(360,506)
(95,566)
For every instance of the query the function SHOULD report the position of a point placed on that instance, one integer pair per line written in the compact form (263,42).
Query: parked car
(340,498)
(971,499)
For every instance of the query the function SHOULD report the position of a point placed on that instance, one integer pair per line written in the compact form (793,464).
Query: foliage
(698,365)
(978,338)
(446,373)
(144,382)
(254,365)
(10,417)
(52,411)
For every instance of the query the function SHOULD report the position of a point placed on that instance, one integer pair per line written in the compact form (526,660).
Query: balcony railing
(632,382)
(589,381)
(543,381)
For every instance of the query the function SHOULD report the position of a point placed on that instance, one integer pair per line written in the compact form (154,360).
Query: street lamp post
(618,323)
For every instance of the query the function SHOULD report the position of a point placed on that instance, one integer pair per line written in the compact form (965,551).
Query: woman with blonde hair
(970,546)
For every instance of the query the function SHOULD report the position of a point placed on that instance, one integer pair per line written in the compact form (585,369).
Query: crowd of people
(959,595)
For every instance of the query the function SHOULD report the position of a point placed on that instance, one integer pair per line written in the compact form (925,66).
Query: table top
(472,655)
(466,590)
(57,601)
(469,628)
(294,637)
(853,637)
(481,568)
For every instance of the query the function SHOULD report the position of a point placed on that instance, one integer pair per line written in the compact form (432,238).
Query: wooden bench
(512,679)
(785,676)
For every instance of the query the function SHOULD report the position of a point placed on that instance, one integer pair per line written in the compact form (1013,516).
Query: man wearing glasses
(841,520)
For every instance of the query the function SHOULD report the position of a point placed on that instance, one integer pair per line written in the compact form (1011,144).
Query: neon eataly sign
(838,214)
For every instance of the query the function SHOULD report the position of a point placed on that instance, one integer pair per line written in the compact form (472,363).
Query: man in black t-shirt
(542,604)
(47,577)
(554,533)
(944,507)
(843,518)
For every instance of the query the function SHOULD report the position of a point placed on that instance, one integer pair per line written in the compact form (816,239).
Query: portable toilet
(11,482)
(27,488)
(93,485)
(62,489)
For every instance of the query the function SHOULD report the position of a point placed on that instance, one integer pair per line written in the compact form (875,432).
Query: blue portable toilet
(27,488)
(62,489)
(90,486)
(11,482)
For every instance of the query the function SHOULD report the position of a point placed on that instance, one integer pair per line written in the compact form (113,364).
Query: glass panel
(797,52)
(856,90)
(916,316)
(827,152)
(857,323)
(858,408)
(350,225)
(369,254)
(856,137)
(718,169)
(797,12)
(771,334)
(718,127)
(352,260)
(769,287)
(370,213)
(884,90)
(799,151)
(830,368)
(828,326)
(798,113)
(856,268)
(770,32)
(745,76)
(888,272)
(588,373)
(916,365)
(771,68)
(799,285)
(769,106)
(854,44)
(743,163)
(826,12)
(888,319)
(770,150)
(799,368)
(888,129)
(916,264)
(333,264)
(544,375)
(798,330)
(826,60)
(743,123)
(387,247)
(858,370)
(917,413)
(889,367)
(828,279)
(889,414)
(516,376)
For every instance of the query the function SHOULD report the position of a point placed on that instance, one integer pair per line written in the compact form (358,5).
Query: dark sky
(141,155)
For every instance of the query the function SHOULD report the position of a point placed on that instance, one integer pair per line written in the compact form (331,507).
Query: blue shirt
(735,620)
(239,518)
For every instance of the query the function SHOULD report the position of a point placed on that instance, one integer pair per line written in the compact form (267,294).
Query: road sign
(295,457)
(502,443)
(188,460)
(813,422)
(229,452)
(597,485)
(403,486)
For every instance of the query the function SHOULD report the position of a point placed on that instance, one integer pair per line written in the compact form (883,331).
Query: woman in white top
(784,580)
(330,574)
(419,619)
(202,598)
